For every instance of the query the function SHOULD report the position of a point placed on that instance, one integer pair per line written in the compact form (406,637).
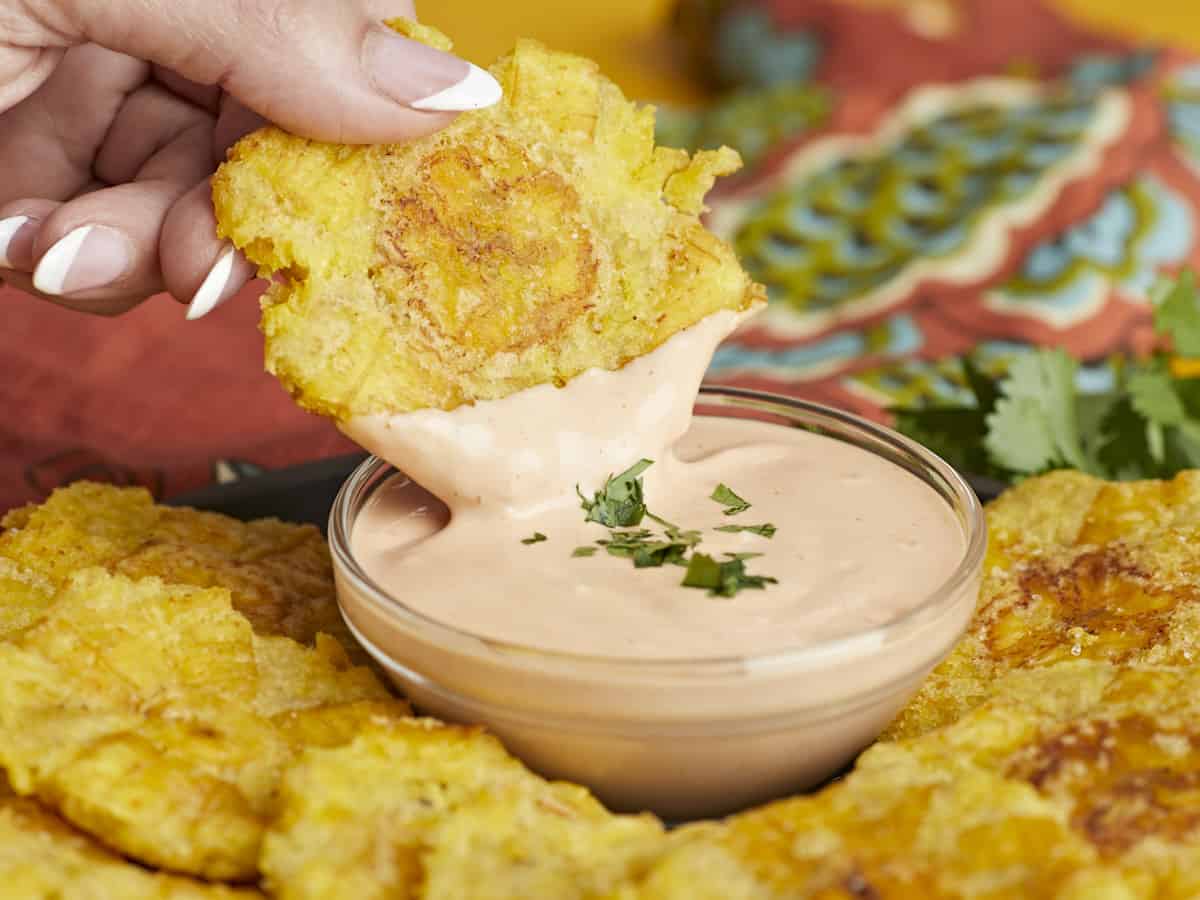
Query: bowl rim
(933,471)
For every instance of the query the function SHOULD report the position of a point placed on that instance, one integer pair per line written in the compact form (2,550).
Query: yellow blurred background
(625,36)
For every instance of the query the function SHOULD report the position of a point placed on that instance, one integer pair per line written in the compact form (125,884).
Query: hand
(114,113)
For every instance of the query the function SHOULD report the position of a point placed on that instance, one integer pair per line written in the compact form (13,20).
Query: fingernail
(16,242)
(88,257)
(217,286)
(427,79)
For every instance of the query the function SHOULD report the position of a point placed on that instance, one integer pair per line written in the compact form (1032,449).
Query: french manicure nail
(427,79)
(91,256)
(16,242)
(216,288)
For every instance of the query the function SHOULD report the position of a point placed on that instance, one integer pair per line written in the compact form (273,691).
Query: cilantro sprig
(1034,418)
(620,506)
(733,504)
(620,503)
(766,530)
(725,578)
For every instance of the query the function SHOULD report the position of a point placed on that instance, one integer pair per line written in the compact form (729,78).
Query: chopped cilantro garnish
(647,552)
(766,530)
(1035,418)
(1177,313)
(723,579)
(537,538)
(620,503)
(732,502)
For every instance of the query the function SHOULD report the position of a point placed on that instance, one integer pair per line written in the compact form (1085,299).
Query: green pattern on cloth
(857,223)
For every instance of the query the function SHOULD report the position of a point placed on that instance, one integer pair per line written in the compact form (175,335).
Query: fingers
(150,119)
(48,143)
(99,252)
(23,70)
(198,267)
(19,226)
(325,70)
(233,123)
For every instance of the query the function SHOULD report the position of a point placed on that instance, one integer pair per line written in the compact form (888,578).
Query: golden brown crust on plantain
(419,808)
(1074,781)
(523,244)
(1077,569)
(43,857)
(153,718)
(279,574)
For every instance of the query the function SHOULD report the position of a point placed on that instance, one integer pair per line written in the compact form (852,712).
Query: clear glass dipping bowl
(684,739)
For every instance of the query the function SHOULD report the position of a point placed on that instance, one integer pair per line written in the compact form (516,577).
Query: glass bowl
(684,739)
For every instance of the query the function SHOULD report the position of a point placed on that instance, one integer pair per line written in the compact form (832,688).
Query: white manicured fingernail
(215,289)
(92,256)
(8,233)
(425,78)
(477,91)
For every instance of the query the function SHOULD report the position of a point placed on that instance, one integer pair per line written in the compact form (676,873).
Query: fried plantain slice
(24,594)
(1077,568)
(416,805)
(521,245)
(279,574)
(515,843)
(1073,781)
(41,857)
(146,715)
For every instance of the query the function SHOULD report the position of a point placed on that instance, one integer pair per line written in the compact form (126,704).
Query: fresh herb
(1034,418)
(537,538)
(620,503)
(956,433)
(732,502)
(1177,313)
(647,552)
(766,530)
(723,579)
(1035,425)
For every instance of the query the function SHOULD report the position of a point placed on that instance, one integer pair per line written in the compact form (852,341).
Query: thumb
(326,70)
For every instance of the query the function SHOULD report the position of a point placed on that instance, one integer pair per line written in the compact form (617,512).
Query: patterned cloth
(969,175)
(925,177)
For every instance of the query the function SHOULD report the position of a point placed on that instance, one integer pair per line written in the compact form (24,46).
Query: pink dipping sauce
(655,695)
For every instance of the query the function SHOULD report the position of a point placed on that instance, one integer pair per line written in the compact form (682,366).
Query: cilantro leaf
(584,551)
(537,538)
(620,503)
(1035,425)
(1181,449)
(702,572)
(957,432)
(648,553)
(1177,312)
(766,530)
(733,504)
(985,388)
(723,579)
(1124,449)
(1035,418)
(1152,394)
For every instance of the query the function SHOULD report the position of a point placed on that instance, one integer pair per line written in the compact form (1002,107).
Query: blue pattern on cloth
(855,224)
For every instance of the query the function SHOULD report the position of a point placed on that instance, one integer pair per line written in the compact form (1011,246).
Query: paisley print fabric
(924,178)
(963,194)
